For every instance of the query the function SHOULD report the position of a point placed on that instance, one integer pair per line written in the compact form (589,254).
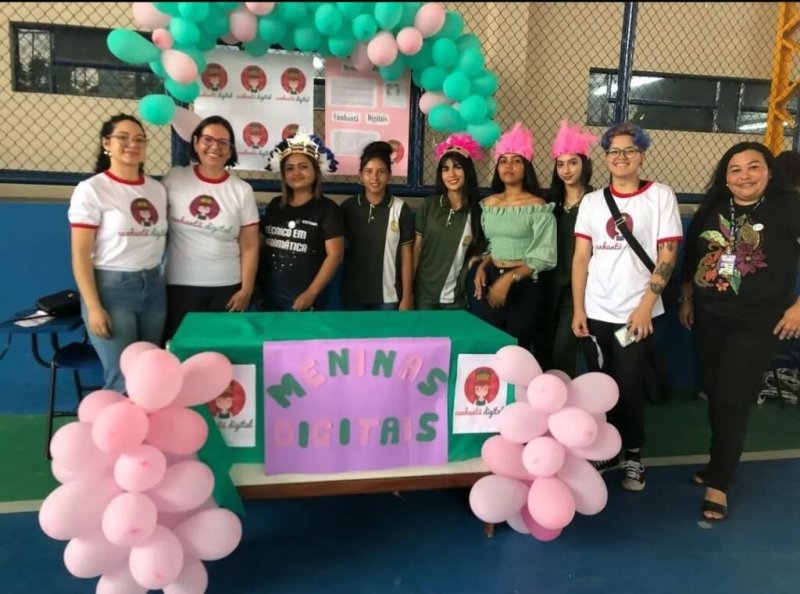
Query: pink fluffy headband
(518,141)
(572,141)
(462,144)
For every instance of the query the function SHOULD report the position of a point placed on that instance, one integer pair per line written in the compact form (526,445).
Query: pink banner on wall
(355,404)
(361,107)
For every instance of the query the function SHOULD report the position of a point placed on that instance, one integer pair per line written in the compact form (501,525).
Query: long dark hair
(103,161)
(530,183)
(198,132)
(558,189)
(470,196)
(287,193)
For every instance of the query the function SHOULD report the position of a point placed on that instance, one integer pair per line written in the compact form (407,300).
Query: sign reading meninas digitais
(355,404)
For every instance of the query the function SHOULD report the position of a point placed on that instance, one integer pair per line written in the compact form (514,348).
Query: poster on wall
(480,395)
(361,107)
(234,410)
(346,405)
(265,99)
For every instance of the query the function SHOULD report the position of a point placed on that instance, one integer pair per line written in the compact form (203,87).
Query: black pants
(626,365)
(519,316)
(561,344)
(733,355)
(181,299)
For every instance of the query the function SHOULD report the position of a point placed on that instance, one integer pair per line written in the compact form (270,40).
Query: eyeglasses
(629,153)
(221,142)
(125,139)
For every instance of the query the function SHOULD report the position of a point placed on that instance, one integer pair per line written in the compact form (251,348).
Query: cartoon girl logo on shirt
(228,404)
(482,386)
(214,77)
(144,213)
(204,208)
(613,232)
(293,81)
(254,79)
(255,135)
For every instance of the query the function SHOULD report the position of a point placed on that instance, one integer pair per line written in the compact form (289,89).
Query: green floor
(677,428)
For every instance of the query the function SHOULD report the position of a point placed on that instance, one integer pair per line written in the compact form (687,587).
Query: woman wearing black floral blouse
(738,297)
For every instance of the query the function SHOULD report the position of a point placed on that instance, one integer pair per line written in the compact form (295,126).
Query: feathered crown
(462,144)
(572,141)
(304,144)
(518,141)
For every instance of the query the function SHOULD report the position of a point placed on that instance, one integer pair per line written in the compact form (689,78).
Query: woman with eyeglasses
(118,221)
(615,294)
(212,254)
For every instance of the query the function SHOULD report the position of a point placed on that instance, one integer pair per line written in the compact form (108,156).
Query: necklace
(568,209)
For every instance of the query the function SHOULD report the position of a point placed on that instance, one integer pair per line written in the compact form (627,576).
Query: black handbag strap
(622,227)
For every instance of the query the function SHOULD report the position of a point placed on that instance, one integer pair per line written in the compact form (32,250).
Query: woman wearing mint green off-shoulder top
(521,231)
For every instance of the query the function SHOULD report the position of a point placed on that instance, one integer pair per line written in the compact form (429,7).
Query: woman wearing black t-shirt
(738,298)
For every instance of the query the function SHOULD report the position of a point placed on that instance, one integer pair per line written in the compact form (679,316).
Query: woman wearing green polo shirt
(448,227)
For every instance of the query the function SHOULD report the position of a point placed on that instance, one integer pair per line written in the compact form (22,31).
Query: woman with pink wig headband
(448,227)
(521,231)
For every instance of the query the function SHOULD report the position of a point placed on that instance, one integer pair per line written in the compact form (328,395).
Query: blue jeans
(136,302)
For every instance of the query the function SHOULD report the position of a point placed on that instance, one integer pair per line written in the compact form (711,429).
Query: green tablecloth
(240,337)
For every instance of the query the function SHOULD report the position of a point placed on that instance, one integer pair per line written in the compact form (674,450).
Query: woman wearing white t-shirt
(212,253)
(118,233)
(614,291)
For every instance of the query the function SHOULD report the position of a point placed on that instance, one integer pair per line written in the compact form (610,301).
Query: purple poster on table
(355,404)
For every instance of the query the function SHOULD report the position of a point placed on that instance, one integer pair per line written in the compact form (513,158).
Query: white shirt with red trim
(130,219)
(205,219)
(617,277)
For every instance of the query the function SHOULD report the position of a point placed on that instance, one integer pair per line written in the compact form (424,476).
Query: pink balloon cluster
(135,503)
(541,474)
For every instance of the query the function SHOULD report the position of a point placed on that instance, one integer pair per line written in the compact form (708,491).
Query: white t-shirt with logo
(130,219)
(205,219)
(617,277)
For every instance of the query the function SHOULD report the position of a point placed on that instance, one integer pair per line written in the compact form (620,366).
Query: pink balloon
(429,100)
(184,122)
(243,25)
(230,39)
(517,523)
(494,499)
(564,377)
(73,449)
(75,509)
(429,19)
(504,457)
(205,376)
(382,49)
(130,519)
(260,8)
(547,393)
(159,561)
(185,486)
(586,485)
(93,403)
(119,581)
(177,430)
(594,392)
(192,579)
(130,353)
(210,534)
(155,379)
(119,427)
(162,39)
(148,16)
(409,41)
(140,468)
(360,58)
(573,427)
(543,456)
(180,67)
(535,529)
(515,365)
(520,423)
(92,555)
(521,394)
(551,503)
(606,446)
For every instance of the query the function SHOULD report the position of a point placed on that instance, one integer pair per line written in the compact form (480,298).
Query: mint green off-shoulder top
(526,233)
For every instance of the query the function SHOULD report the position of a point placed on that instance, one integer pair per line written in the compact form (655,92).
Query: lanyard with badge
(727,261)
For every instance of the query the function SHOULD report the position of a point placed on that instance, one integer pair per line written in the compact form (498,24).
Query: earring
(106,153)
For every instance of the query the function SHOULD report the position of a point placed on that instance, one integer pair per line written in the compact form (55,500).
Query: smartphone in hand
(623,338)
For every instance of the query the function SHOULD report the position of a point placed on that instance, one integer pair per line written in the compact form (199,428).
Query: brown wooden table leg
(488,529)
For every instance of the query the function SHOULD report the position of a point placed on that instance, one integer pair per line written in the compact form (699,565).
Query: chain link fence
(700,82)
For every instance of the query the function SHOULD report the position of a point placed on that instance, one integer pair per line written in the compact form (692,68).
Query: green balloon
(491,108)
(295,13)
(158,68)
(351,10)
(466,41)
(432,78)
(184,32)
(256,47)
(423,58)
(185,93)
(388,14)
(157,109)
(416,77)
(445,53)
(484,84)
(168,8)
(195,54)
(444,118)
(194,11)
(364,27)
(473,109)
(394,70)
(485,133)
(453,26)
(271,29)
(129,46)
(456,86)
(328,20)
(409,12)
(341,47)
(226,6)
(307,39)
(216,24)
(470,62)
(207,42)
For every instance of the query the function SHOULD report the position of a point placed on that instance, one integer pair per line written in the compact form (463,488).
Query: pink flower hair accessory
(518,141)
(462,144)
(572,141)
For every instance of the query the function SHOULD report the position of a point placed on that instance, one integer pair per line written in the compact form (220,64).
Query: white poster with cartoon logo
(265,99)
(479,395)
(235,409)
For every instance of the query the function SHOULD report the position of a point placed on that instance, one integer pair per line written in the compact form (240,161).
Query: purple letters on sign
(355,404)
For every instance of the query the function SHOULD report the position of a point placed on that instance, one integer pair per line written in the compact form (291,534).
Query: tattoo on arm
(670,246)
(663,272)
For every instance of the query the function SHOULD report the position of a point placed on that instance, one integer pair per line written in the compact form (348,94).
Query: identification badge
(727,265)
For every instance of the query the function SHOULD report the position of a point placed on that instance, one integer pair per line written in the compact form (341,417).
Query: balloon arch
(445,62)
